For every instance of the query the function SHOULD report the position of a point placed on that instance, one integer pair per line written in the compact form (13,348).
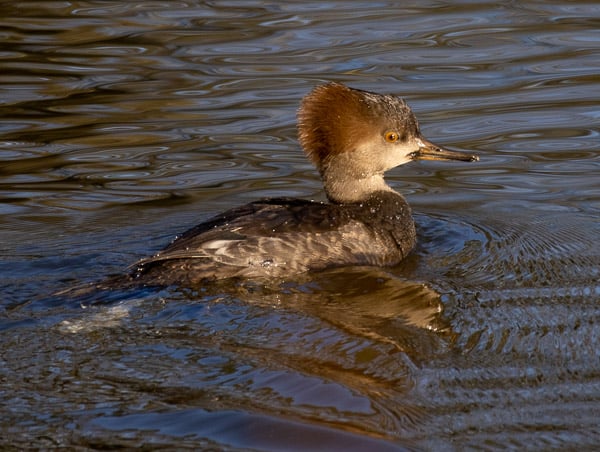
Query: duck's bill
(430,151)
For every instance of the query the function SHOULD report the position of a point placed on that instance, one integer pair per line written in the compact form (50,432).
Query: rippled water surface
(125,123)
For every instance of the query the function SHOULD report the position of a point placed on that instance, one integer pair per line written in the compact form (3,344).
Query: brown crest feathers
(334,118)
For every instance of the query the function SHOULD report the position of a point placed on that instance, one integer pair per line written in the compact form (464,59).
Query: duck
(353,137)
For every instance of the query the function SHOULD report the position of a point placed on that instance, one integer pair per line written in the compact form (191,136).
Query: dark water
(124,123)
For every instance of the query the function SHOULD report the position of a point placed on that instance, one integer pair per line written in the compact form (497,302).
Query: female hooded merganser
(353,137)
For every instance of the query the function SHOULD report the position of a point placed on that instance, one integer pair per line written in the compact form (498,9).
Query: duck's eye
(391,137)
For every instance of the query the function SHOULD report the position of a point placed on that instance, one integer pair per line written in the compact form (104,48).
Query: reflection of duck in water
(352,137)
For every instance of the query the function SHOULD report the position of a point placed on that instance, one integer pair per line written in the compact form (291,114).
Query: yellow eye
(391,137)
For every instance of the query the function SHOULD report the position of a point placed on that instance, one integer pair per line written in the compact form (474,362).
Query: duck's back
(283,236)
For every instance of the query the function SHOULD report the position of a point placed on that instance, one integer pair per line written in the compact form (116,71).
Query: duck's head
(354,136)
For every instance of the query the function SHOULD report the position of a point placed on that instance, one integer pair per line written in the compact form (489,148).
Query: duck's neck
(345,184)
(352,190)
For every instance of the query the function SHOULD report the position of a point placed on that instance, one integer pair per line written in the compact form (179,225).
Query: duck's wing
(254,229)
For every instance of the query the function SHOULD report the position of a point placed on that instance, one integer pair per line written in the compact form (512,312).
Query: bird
(352,137)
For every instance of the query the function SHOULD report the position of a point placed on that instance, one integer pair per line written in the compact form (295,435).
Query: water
(125,123)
